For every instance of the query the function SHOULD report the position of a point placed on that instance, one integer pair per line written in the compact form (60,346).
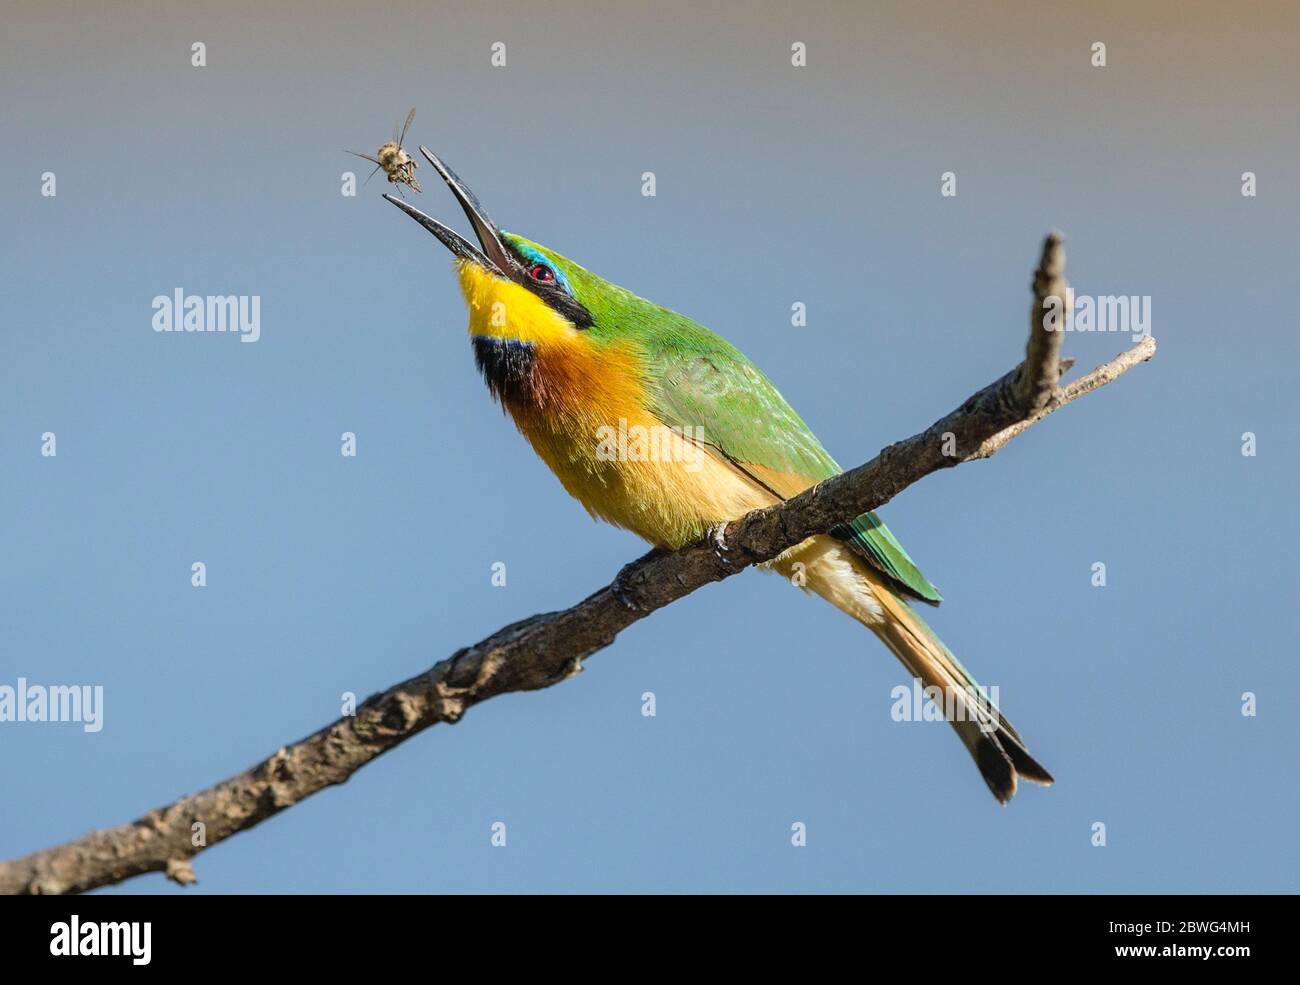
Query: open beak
(491,252)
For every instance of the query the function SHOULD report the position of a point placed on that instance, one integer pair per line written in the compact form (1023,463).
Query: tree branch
(545,649)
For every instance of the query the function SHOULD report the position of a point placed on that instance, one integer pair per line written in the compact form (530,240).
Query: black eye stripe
(552,291)
(567,306)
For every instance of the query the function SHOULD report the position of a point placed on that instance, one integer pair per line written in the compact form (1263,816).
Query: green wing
(869,536)
(707,384)
(701,380)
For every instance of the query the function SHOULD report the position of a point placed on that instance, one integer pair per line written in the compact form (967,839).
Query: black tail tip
(996,768)
(1001,763)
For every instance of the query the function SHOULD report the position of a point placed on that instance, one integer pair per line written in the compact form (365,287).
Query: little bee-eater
(573,357)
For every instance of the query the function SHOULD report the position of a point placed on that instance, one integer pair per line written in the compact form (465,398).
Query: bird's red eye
(542,272)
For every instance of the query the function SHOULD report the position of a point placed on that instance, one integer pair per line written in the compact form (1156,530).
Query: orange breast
(586,417)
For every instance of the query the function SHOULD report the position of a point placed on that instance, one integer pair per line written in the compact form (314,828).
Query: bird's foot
(718,538)
(622,591)
(622,587)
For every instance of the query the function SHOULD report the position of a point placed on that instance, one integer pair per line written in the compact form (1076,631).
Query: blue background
(328,574)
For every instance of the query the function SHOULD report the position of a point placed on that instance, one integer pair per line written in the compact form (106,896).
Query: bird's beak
(493,255)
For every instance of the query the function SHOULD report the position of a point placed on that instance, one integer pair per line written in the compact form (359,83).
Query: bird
(571,357)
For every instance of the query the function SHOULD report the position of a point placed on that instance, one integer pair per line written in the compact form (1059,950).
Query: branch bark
(546,649)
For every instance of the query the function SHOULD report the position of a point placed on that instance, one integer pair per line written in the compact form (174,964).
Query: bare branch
(548,648)
(1099,377)
(1039,376)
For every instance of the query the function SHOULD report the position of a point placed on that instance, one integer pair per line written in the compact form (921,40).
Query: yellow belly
(639,475)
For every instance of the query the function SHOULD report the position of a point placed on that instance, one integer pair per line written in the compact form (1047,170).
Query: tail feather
(855,587)
(994,744)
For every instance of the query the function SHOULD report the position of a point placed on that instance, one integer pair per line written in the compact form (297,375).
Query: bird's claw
(622,591)
(622,588)
(718,538)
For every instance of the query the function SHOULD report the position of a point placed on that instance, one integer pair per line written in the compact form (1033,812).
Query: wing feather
(705,383)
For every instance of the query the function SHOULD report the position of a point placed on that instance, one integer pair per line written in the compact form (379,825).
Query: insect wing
(406,126)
